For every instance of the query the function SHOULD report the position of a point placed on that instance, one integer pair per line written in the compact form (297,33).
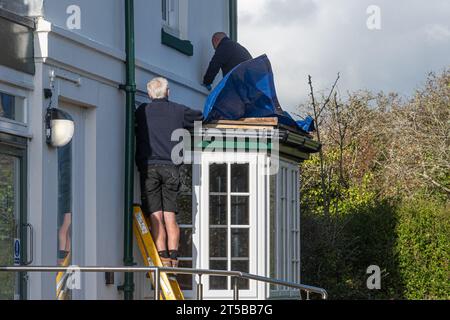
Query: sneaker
(166,263)
(175,263)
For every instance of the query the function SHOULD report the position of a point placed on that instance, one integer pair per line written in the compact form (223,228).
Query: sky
(390,47)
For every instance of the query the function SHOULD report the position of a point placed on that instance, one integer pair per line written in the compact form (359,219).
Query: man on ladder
(159,176)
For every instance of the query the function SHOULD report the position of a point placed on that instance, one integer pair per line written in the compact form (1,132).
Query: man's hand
(207,86)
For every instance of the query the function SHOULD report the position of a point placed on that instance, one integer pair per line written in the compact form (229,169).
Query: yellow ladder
(170,289)
(62,292)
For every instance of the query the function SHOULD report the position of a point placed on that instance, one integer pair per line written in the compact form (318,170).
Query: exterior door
(13,224)
(71,204)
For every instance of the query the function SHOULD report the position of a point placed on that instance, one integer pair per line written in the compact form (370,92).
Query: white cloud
(324,37)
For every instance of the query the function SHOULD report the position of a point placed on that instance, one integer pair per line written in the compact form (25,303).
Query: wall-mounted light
(59,126)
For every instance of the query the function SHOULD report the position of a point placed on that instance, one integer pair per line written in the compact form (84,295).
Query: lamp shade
(60,127)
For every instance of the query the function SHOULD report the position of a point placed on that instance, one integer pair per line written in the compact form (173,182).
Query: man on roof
(229,54)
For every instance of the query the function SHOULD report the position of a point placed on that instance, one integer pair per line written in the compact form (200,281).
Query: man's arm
(190,116)
(214,67)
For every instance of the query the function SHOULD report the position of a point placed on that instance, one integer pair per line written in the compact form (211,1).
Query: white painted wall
(89,64)
(102,25)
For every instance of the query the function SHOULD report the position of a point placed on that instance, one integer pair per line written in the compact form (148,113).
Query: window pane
(217,210)
(64,213)
(173,14)
(218,178)
(240,243)
(185,210)
(7,107)
(273,228)
(164,9)
(185,250)
(239,177)
(186,179)
(218,243)
(242,266)
(11,107)
(185,197)
(9,195)
(239,210)
(218,283)
(185,280)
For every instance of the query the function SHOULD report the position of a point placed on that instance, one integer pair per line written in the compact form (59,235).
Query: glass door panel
(64,254)
(9,224)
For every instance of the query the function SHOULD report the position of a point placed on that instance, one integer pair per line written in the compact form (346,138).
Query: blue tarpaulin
(248,91)
(307,124)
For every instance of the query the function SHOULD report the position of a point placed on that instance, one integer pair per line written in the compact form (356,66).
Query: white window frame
(287,225)
(176,13)
(190,293)
(229,158)
(11,126)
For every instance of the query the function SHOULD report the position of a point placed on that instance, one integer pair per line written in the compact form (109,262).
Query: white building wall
(89,67)
(102,27)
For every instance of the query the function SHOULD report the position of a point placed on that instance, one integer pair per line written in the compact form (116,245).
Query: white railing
(235,275)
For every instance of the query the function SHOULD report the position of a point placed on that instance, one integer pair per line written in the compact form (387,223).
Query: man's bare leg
(158,231)
(160,237)
(64,238)
(173,236)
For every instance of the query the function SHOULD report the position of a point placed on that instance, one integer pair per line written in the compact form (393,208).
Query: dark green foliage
(409,241)
(378,194)
(423,248)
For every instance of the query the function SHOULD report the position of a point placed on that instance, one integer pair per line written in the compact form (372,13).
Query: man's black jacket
(229,54)
(155,123)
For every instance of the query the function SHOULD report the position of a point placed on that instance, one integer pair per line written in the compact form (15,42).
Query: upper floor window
(174,17)
(170,16)
(174,31)
(12,107)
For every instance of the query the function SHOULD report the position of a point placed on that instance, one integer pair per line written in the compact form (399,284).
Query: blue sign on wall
(16,252)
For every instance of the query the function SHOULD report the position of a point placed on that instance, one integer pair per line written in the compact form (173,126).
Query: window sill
(183,46)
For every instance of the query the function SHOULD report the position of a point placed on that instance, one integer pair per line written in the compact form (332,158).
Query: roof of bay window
(252,134)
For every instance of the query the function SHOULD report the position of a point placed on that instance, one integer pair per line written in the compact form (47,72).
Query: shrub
(423,248)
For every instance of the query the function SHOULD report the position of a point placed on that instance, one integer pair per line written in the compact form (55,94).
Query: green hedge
(423,249)
(409,241)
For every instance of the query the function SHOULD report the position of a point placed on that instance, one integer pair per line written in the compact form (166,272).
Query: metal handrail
(235,275)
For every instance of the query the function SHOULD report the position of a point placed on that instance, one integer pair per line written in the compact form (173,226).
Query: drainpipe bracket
(126,288)
(128,88)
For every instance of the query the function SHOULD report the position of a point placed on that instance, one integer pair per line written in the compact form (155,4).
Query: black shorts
(160,186)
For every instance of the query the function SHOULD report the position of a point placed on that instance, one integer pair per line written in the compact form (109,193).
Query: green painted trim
(294,152)
(306,143)
(241,145)
(233,19)
(287,151)
(183,46)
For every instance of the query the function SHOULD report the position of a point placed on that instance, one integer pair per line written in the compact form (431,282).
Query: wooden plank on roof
(249,121)
(234,126)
